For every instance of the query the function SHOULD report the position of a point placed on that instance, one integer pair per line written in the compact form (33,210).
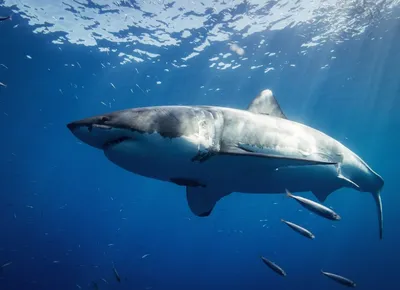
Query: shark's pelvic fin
(201,200)
(323,194)
(378,202)
(266,104)
(276,161)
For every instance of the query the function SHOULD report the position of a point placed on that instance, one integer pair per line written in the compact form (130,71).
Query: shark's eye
(104,119)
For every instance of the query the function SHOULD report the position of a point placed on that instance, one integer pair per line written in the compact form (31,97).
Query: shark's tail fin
(378,202)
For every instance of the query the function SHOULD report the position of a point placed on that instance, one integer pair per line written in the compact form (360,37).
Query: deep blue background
(63,201)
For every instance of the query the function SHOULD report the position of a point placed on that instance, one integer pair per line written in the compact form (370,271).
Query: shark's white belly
(171,159)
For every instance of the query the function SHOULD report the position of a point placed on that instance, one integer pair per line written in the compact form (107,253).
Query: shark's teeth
(102,126)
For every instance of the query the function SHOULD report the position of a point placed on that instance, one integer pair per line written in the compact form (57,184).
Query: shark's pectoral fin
(266,104)
(276,161)
(201,200)
(378,202)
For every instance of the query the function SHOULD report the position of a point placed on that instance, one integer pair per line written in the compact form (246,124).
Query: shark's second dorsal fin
(265,103)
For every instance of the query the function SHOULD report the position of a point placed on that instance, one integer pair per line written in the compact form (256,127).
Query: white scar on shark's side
(214,151)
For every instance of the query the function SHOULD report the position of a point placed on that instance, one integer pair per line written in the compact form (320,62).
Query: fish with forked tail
(273,266)
(116,274)
(3,18)
(340,279)
(315,207)
(299,229)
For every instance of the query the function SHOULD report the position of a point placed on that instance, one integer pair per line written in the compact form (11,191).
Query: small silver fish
(6,264)
(315,207)
(3,18)
(116,274)
(273,266)
(3,85)
(299,229)
(340,279)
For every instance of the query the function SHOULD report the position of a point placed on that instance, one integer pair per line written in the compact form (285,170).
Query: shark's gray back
(227,127)
(273,135)
(168,121)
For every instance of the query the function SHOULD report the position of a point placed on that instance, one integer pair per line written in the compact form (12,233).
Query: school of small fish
(322,211)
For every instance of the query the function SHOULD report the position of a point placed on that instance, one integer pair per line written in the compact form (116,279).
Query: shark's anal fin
(201,200)
(276,161)
(378,202)
(265,103)
(322,193)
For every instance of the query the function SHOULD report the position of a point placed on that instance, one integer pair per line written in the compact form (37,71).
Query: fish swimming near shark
(3,18)
(299,229)
(340,279)
(214,151)
(315,207)
(273,266)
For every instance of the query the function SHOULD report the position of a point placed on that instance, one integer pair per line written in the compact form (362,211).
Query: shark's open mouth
(112,143)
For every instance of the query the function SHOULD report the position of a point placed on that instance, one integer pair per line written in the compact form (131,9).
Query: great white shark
(214,151)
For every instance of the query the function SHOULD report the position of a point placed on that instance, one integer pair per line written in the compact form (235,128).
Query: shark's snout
(89,123)
(95,131)
(71,126)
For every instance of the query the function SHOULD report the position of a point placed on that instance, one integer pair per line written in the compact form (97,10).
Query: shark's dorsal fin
(265,103)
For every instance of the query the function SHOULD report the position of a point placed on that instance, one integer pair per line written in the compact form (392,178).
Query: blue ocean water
(68,214)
